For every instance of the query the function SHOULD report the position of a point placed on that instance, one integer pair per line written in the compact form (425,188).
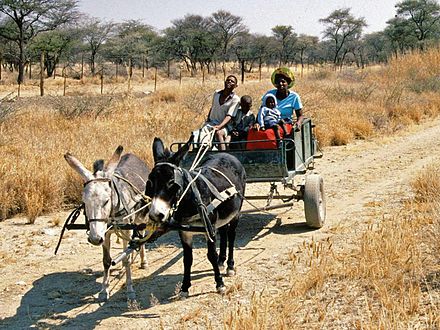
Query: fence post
(117,70)
(155,78)
(82,67)
(1,67)
(65,81)
(54,70)
(30,69)
(242,71)
(259,69)
(203,74)
(130,73)
(180,76)
(143,66)
(102,81)
(42,74)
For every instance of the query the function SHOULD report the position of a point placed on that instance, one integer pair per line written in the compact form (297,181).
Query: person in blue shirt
(288,102)
(269,117)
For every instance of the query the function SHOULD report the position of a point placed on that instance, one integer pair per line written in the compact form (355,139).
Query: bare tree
(22,20)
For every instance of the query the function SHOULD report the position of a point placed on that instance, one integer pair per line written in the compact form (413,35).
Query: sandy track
(42,290)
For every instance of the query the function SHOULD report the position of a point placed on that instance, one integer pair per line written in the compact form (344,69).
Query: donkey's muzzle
(95,240)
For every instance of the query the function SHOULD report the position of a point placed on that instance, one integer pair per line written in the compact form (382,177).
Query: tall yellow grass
(389,279)
(345,105)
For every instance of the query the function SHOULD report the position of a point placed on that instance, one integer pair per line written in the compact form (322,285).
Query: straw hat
(285,72)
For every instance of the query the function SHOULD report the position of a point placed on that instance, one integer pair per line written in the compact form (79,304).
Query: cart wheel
(314,201)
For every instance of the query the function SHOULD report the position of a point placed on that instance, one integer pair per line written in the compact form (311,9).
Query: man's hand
(256,126)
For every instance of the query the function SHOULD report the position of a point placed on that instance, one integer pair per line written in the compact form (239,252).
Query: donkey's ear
(98,165)
(158,150)
(114,161)
(74,163)
(178,156)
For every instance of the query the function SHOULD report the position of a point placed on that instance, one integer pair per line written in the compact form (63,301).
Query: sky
(258,15)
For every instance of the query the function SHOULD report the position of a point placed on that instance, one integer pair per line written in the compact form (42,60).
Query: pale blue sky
(260,16)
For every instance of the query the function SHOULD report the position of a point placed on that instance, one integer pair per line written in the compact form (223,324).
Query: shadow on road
(68,298)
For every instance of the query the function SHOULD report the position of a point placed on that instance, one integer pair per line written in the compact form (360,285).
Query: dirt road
(38,289)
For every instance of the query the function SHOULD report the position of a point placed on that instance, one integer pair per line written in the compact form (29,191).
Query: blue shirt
(288,105)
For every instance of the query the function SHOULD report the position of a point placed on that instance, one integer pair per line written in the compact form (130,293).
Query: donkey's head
(97,193)
(165,182)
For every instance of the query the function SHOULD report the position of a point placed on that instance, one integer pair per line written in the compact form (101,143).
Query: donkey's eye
(149,188)
(170,184)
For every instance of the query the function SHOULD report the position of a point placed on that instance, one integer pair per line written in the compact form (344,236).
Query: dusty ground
(38,289)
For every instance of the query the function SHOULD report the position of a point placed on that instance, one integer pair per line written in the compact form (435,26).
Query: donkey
(209,197)
(110,193)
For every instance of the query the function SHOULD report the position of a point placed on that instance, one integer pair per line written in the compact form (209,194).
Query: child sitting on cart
(242,122)
(269,117)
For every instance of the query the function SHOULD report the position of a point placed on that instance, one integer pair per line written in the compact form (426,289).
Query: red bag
(268,134)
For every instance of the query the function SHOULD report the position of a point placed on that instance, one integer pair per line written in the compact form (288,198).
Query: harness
(204,211)
(119,213)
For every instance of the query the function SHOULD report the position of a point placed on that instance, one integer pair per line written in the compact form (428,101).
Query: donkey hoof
(221,289)
(230,272)
(221,267)
(103,295)
(133,305)
(183,295)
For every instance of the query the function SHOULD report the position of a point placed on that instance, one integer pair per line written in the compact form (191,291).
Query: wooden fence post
(143,66)
(65,81)
(180,76)
(82,67)
(117,70)
(242,71)
(155,78)
(130,73)
(42,74)
(102,81)
(1,67)
(30,69)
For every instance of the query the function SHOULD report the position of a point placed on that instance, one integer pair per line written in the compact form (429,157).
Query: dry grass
(35,132)
(390,279)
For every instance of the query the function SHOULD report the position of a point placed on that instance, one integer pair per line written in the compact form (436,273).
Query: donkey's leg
(106,260)
(144,263)
(213,258)
(230,271)
(223,232)
(186,239)
(131,294)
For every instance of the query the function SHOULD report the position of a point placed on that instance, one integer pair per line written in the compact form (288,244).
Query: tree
(133,40)
(423,16)
(190,40)
(341,28)
(96,32)
(286,38)
(399,33)
(225,28)
(22,20)
(54,44)
(305,44)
